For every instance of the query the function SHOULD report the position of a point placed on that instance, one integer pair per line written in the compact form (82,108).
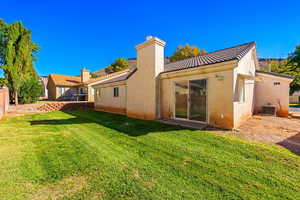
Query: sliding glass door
(190,100)
(181,99)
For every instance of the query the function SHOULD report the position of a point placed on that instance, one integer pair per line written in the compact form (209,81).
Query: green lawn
(95,155)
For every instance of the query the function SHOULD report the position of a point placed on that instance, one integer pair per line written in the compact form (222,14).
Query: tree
(17,54)
(119,65)
(289,66)
(3,82)
(94,75)
(186,52)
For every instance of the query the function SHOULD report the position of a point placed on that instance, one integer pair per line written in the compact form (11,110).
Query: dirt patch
(99,196)
(269,129)
(63,188)
(149,184)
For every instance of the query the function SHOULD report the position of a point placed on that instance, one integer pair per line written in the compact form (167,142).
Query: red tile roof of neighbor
(65,80)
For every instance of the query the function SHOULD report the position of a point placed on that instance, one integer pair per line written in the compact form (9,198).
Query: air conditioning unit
(269,110)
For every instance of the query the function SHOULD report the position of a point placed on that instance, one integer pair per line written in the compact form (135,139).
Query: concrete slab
(188,124)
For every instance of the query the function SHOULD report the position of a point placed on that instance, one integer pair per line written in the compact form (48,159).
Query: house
(63,87)
(75,88)
(221,88)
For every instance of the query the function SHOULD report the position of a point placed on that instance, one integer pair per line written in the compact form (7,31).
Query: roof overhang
(247,76)
(218,67)
(260,75)
(104,78)
(113,84)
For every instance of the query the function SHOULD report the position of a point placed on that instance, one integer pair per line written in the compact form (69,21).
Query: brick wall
(4,101)
(54,106)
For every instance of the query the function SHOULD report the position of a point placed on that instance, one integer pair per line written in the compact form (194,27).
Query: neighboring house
(63,87)
(44,82)
(221,88)
(75,88)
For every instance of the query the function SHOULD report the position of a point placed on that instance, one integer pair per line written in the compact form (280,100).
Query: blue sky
(92,34)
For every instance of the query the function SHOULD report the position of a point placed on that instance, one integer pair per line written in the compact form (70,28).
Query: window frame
(116,92)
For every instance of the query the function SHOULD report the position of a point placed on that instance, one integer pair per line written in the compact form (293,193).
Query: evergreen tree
(17,54)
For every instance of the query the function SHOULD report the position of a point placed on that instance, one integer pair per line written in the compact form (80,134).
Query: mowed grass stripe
(116,157)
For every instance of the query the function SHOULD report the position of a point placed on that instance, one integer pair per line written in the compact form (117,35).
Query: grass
(95,155)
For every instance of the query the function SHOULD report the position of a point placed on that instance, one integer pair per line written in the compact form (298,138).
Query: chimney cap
(151,40)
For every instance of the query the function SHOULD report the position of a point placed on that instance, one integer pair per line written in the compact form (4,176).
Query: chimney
(143,86)
(85,75)
(151,54)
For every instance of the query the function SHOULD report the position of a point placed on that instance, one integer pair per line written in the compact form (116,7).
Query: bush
(30,91)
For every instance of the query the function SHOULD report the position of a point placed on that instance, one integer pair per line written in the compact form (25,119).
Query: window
(241,90)
(116,92)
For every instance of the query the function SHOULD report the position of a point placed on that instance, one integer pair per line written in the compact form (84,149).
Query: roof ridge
(205,54)
(62,75)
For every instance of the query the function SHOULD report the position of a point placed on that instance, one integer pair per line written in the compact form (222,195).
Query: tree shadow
(292,143)
(121,123)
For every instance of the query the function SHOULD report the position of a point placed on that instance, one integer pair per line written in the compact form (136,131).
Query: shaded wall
(51,89)
(106,100)
(244,72)
(272,90)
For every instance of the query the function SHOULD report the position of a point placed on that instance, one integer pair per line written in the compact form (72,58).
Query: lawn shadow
(121,123)
(291,143)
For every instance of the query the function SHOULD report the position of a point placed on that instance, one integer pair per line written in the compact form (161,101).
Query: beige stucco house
(222,88)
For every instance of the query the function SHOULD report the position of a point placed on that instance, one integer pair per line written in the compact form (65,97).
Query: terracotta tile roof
(65,80)
(232,53)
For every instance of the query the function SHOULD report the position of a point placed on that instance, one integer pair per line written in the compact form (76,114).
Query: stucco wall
(245,71)
(267,92)
(142,86)
(219,94)
(107,101)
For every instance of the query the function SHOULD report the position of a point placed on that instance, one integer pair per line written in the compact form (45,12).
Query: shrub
(30,90)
